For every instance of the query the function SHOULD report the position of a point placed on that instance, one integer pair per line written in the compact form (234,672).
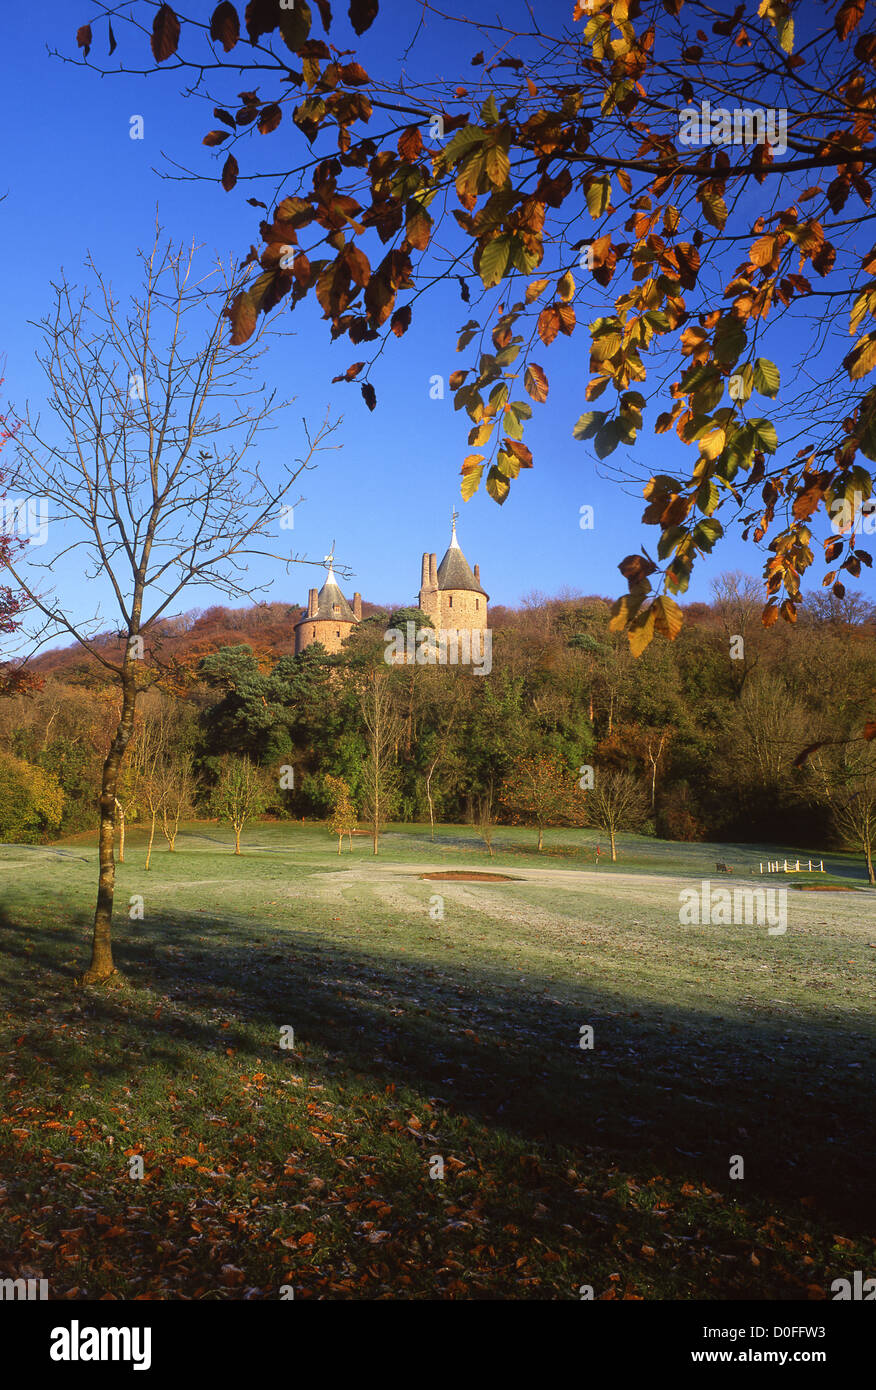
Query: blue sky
(74,181)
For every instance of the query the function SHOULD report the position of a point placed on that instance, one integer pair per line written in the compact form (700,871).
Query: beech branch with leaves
(573,201)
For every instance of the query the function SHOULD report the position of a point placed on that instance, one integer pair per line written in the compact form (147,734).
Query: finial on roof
(330,559)
(453,515)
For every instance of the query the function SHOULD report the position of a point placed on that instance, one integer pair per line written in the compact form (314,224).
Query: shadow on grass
(671,1090)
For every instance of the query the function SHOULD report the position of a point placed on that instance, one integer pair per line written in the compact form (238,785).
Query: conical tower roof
(454,572)
(329,596)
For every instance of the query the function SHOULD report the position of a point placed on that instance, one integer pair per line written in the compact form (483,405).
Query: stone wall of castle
(330,634)
(459,608)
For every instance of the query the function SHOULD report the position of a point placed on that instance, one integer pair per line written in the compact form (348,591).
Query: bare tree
(482,814)
(616,802)
(146,475)
(383,729)
(240,794)
(656,742)
(178,784)
(447,701)
(845,777)
(148,752)
(738,602)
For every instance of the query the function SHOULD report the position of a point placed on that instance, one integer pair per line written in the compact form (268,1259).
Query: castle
(450,594)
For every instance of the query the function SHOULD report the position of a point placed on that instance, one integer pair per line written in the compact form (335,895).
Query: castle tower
(450,594)
(329,619)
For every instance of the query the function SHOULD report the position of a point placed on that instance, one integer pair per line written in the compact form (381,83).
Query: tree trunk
(429,799)
(151,838)
(340,839)
(613,848)
(102,966)
(121,811)
(871,878)
(540,837)
(237,830)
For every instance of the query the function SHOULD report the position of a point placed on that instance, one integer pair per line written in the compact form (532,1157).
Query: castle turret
(453,597)
(329,619)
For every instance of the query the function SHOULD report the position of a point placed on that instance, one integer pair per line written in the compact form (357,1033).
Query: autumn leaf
(225,25)
(229,173)
(536,382)
(362,14)
(269,119)
(165,34)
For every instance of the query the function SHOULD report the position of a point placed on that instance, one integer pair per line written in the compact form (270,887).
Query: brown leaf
(548,324)
(243,318)
(369,395)
(635,569)
(848,17)
(270,118)
(354,75)
(362,14)
(165,34)
(225,25)
(410,143)
(519,450)
(401,320)
(83,39)
(536,382)
(230,171)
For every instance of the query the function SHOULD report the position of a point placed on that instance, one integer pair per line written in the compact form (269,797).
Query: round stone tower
(450,593)
(329,619)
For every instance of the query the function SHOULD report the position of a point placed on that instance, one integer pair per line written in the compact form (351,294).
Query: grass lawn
(418,1037)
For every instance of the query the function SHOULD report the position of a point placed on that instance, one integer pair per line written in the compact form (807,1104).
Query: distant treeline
(710,726)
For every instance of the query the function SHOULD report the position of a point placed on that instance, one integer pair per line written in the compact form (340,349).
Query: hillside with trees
(702,744)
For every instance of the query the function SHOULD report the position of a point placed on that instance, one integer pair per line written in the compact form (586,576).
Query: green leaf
(508,463)
(494,260)
(714,207)
(607,439)
(599,196)
(707,497)
(705,533)
(490,111)
(471,471)
(464,140)
(295,25)
(766,377)
(588,423)
(498,486)
(765,435)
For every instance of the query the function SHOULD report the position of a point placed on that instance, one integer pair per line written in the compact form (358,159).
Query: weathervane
(327,563)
